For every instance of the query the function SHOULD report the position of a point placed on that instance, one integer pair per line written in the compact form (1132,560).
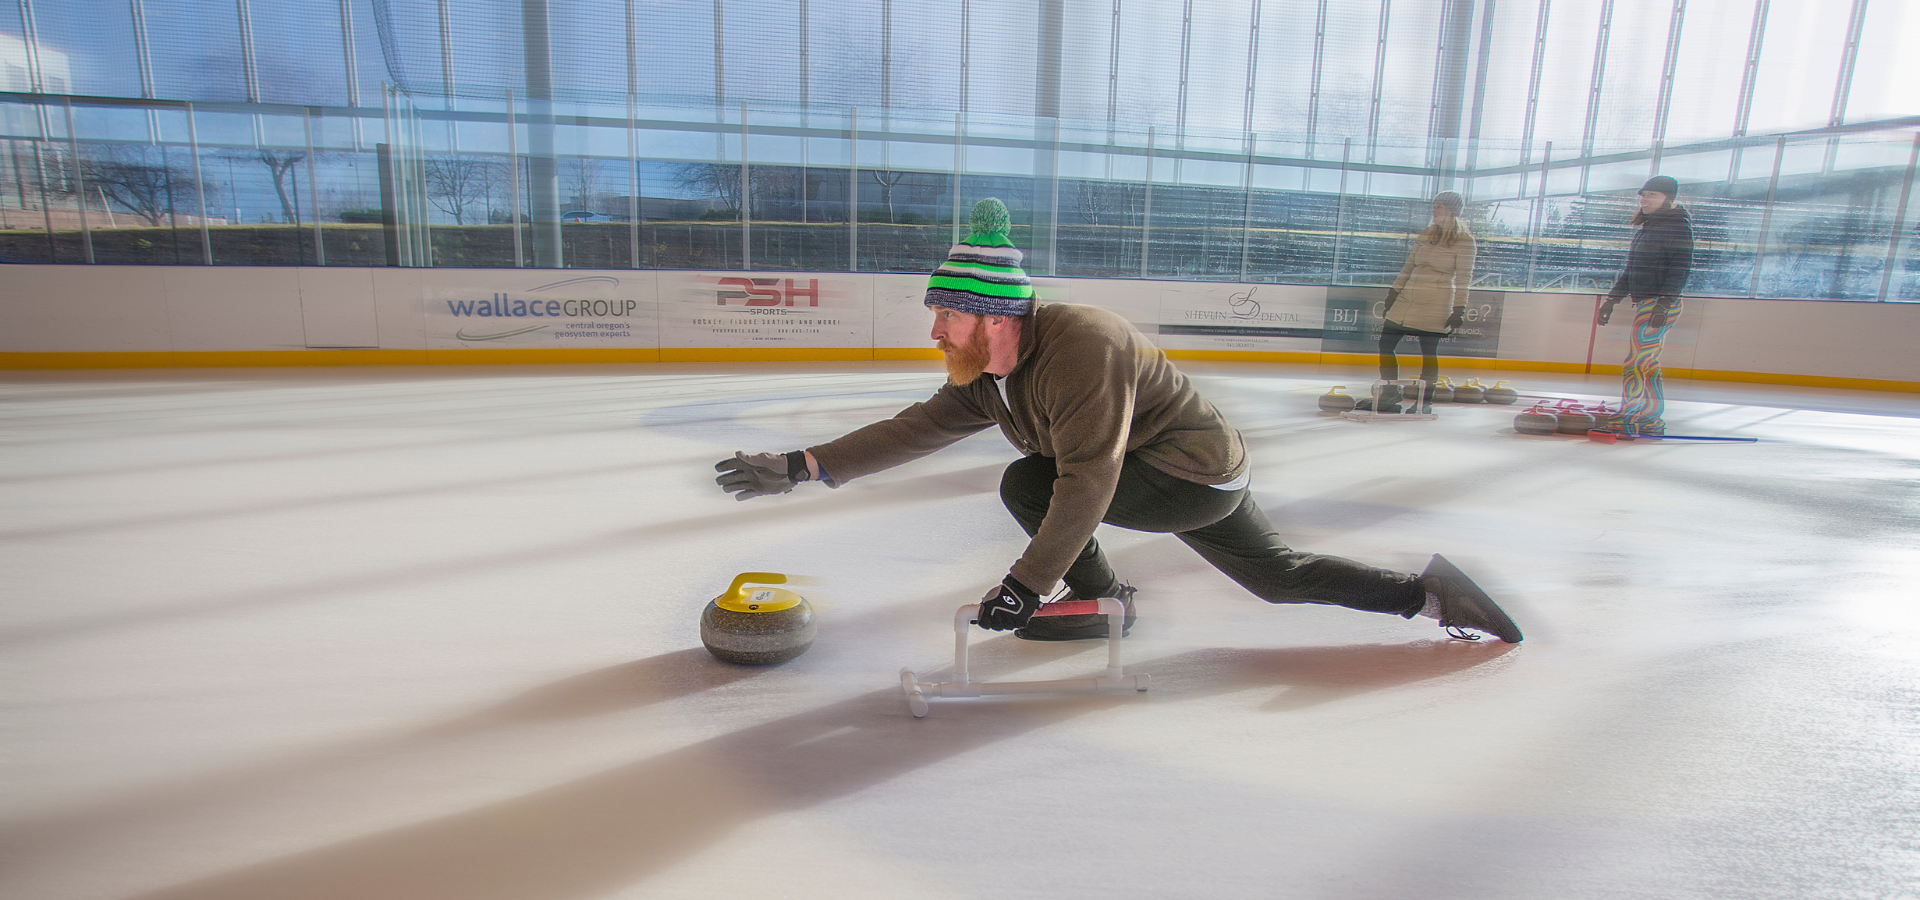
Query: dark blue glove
(1458,318)
(1008,606)
(1393,294)
(1606,309)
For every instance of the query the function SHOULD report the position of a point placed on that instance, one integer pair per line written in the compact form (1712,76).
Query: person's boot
(1620,424)
(1460,604)
(1085,627)
(1389,401)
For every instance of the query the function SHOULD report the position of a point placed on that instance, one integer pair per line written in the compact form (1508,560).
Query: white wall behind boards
(108,309)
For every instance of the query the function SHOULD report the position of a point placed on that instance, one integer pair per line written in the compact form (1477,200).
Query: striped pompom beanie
(982,273)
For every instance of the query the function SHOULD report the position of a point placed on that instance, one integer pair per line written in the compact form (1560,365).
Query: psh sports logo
(766,292)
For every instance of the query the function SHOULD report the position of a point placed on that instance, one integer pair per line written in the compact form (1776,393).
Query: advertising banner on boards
(749,310)
(1354,315)
(538,308)
(1258,317)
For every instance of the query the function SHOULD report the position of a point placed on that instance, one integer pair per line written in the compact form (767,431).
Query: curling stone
(1501,394)
(1471,392)
(755,625)
(1538,420)
(1575,420)
(1441,392)
(1335,402)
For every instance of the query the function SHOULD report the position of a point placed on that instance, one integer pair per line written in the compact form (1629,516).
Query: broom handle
(1593,332)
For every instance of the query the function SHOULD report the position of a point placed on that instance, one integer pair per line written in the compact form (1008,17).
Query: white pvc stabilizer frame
(1113,680)
(1410,412)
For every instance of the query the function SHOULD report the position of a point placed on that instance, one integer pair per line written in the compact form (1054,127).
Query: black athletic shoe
(1463,605)
(1092,626)
(1386,409)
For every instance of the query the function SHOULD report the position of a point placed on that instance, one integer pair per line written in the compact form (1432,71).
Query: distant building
(22,71)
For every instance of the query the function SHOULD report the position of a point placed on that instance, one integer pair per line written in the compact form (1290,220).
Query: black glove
(1008,606)
(1393,294)
(1606,309)
(759,474)
(1458,318)
(1662,308)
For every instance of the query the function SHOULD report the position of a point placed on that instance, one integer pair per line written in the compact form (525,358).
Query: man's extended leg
(1228,529)
(1245,547)
(1225,527)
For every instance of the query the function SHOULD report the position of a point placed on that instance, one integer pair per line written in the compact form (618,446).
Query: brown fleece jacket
(1087,389)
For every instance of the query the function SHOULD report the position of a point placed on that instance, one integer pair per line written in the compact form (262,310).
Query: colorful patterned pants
(1642,401)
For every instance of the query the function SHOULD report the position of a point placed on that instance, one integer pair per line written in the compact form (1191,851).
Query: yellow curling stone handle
(748,594)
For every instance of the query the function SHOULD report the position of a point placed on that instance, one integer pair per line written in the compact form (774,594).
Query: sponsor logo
(1243,318)
(766,292)
(1243,309)
(463,335)
(1244,306)
(504,306)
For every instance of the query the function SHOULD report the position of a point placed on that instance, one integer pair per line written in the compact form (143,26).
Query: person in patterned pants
(1642,401)
(1656,272)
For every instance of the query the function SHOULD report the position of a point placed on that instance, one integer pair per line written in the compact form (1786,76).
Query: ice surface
(433,634)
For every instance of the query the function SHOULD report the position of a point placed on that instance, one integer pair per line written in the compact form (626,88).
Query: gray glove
(759,474)
(1606,309)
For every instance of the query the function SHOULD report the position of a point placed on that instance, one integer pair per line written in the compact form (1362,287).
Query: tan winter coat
(1434,280)
(1087,390)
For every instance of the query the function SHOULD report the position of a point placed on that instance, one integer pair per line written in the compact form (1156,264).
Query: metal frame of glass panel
(1213,190)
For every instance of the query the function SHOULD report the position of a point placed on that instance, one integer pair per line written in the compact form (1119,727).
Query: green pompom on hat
(982,274)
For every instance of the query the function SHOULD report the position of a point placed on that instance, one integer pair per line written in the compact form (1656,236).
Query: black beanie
(1663,184)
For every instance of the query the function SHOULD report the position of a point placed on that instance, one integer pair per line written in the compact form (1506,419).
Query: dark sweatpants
(1225,527)
(1390,335)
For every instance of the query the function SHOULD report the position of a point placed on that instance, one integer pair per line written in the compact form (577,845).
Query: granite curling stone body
(1336,402)
(755,625)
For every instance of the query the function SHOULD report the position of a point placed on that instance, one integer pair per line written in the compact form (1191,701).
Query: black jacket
(1661,257)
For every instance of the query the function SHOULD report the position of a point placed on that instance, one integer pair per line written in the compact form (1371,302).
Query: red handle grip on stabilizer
(1069,608)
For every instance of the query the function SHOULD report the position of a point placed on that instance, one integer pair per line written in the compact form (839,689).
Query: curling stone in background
(1501,394)
(755,625)
(1574,419)
(1442,392)
(1537,420)
(1335,402)
(1471,392)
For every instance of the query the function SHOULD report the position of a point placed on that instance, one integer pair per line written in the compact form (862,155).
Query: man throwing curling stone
(1111,432)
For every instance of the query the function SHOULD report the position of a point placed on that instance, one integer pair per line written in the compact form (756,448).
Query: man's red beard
(964,364)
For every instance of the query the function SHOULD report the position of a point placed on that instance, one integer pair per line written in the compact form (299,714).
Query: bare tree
(886,179)
(585,182)
(1106,202)
(721,181)
(138,178)
(456,182)
(717,180)
(280,163)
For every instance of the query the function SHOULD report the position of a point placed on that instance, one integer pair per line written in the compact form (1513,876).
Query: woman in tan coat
(1429,299)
